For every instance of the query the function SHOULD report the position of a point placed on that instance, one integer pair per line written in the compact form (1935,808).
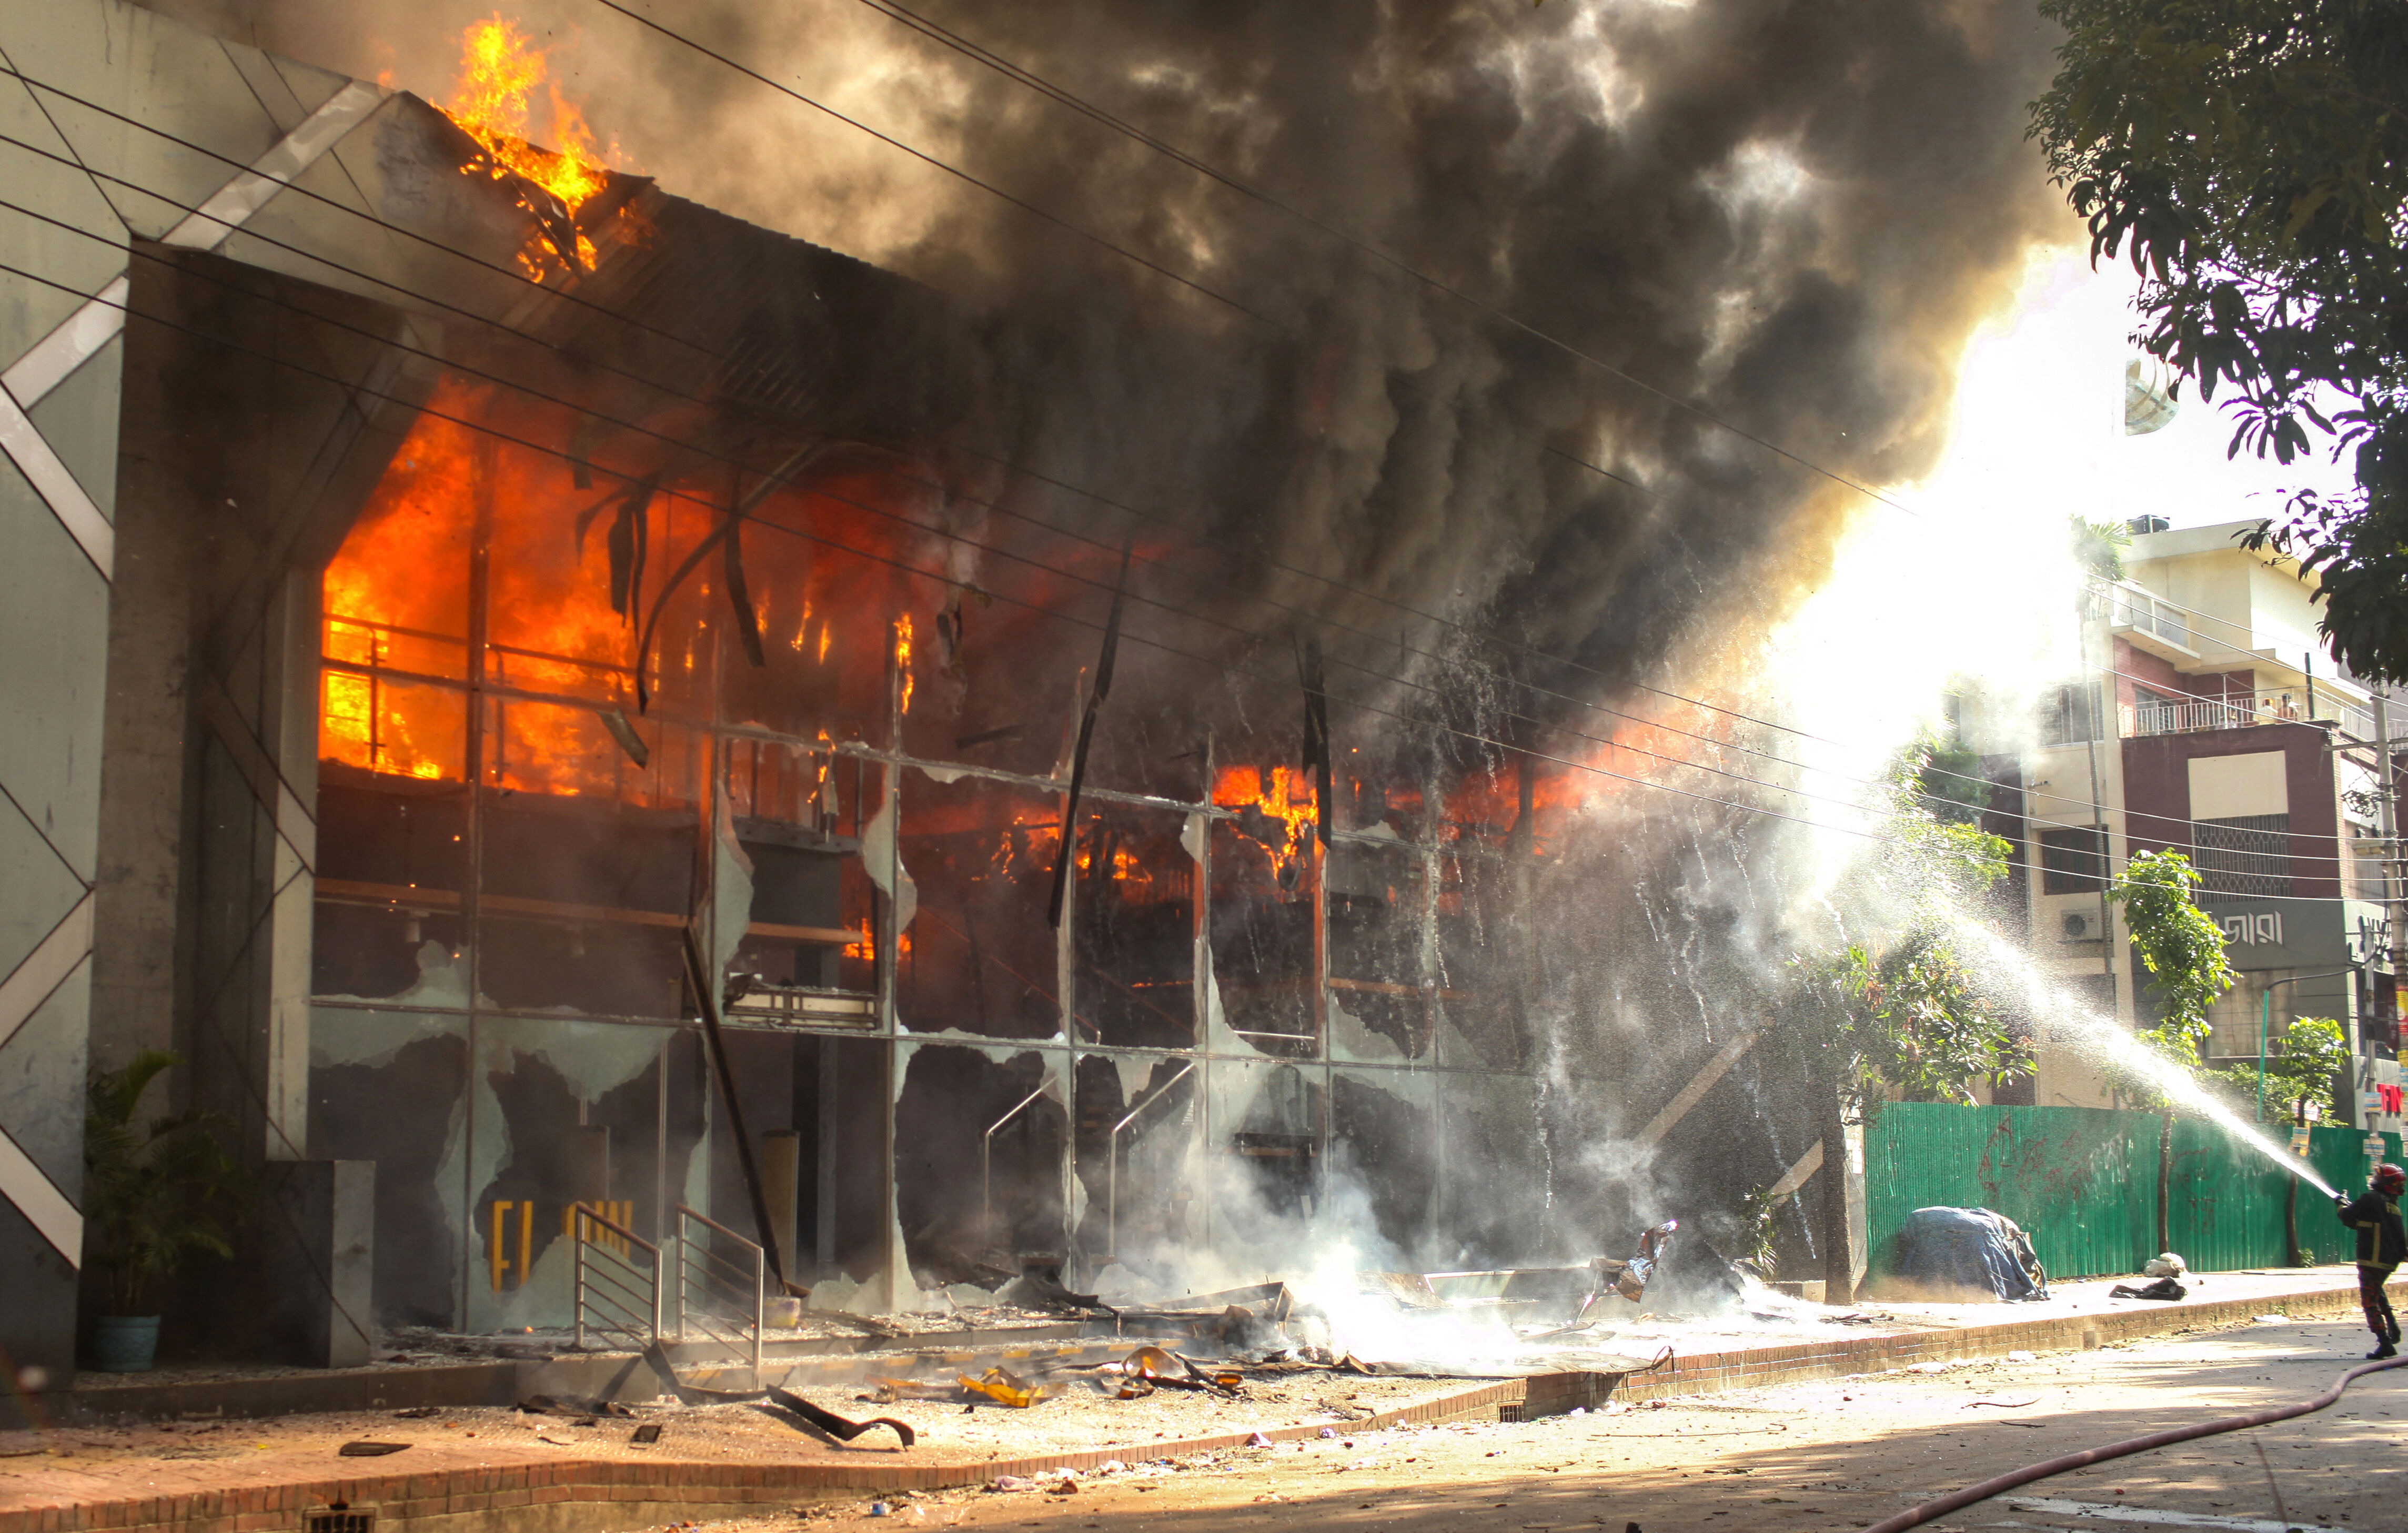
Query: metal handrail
(1113,1161)
(686,1276)
(581,1219)
(986,1164)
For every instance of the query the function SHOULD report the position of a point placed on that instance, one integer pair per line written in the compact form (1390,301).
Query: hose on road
(1999,1484)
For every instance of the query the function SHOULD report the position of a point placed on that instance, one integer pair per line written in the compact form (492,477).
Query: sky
(2041,412)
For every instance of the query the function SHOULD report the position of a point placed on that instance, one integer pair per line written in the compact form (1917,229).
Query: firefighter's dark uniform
(2381,1245)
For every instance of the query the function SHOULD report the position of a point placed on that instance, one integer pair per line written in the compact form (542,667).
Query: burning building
(439,559)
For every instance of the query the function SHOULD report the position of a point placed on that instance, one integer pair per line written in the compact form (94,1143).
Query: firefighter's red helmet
(2390,1180)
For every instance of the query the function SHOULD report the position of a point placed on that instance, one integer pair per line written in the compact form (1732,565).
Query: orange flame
(1288,797)
(903,657)
(499,68)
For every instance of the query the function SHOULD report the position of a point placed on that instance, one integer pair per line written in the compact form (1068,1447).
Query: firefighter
(2381,1245)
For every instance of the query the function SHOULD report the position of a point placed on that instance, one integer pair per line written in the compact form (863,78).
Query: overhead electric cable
(1509,680)
(1022,77)
(1040,565)
(568,295)
(943,578)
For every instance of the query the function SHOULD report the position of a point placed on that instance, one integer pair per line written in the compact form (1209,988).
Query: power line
(1370,672)
(1510,646)
(1506,680)
(1015,72)
(928,159)
(940,577)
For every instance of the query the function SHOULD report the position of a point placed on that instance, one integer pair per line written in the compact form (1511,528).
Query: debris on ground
(578,1408)
(2164,1288)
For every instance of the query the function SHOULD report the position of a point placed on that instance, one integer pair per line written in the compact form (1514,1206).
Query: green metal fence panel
(2082,1182)
(2225,1201)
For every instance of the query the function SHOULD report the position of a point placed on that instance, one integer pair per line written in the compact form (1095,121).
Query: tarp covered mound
(1970,1250)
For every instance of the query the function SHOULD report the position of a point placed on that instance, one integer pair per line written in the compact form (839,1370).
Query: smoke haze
(1788,215)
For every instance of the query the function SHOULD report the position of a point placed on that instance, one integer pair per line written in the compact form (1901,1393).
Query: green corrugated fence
(2084,1181)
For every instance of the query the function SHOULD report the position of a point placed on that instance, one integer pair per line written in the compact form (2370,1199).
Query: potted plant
(154,1193)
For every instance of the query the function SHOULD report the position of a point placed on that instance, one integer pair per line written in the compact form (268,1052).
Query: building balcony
(2241,710)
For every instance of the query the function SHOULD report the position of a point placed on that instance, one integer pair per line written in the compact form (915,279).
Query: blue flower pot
(125,1343)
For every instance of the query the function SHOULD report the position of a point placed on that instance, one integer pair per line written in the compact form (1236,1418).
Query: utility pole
(2394,865)
(2097,694)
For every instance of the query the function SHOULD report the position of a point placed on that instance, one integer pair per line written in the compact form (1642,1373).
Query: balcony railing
(2239,711)
(2138,609)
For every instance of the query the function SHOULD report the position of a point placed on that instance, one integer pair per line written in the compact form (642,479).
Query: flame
(903,657)
(396,606)
(499,69)
(1287,799)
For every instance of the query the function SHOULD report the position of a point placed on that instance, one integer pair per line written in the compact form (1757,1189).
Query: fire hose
(1999,1484)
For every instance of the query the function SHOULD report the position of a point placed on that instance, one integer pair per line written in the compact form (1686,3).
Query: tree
(2098,547)
(2300,1068)
(2183,950)
(1908,1016)
(1948,778)
(2254,156)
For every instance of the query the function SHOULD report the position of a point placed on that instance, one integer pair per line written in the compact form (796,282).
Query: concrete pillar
(311,1251)
(781,1170)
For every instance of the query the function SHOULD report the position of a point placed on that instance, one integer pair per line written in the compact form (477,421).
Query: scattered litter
(1930,1368)
(2166,1263)
(879,1509)
(836,1425)
(2164,1288)
(2269,1320)
(1065,1486)
(2021,1356)
(2003,1405)
(369,1450)
(420,1412)
(1010,1482)
(648,1433)
(1004,1389)
(813,1416)
(1149,1366)
(1328,1432)
(1258,1440)
(584,1411)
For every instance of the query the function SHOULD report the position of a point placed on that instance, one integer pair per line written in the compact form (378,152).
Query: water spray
(2105,1037)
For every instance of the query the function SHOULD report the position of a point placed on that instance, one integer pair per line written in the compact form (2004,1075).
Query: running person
(2381,1245)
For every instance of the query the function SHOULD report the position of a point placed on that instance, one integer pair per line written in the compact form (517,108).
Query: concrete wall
(147,138)
(58,425)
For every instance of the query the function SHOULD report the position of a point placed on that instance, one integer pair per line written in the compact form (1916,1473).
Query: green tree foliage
(2180,946)
(2301,1068)
(2099,548)
(2253,154)
(1907,1014)
(1948,778)
(153,1192)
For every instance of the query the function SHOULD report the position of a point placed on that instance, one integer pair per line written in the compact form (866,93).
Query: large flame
(500,68)
(1285,795)
(397,618)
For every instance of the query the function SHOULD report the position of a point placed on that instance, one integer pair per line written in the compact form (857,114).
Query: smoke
(1737,223)
(1787,215)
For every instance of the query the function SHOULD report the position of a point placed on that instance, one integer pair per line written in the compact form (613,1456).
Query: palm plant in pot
(154,1193)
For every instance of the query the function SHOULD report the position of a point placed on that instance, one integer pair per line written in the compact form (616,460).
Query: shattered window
(1135,927)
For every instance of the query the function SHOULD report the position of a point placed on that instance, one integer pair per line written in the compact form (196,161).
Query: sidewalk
(476,1469)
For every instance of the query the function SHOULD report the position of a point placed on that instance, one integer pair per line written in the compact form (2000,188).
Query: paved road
(1837,1454)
